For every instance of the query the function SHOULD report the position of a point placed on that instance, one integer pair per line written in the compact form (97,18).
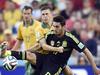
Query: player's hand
(3,47)
(60,49)
(97,71)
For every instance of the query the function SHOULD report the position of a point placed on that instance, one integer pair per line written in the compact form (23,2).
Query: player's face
(46,16)
(57,28)
(27,15)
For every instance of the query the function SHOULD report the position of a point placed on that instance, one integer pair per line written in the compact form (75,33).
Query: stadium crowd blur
(82,20)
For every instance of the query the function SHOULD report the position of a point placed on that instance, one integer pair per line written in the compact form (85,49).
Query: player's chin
(46,21)
(57,34)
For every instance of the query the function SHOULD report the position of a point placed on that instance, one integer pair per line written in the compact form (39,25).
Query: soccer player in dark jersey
(55,61)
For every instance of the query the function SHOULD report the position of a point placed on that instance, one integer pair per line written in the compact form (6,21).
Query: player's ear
(52,28)
(63,27)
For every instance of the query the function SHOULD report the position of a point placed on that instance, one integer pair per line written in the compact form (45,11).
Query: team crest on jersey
(52,43)
(64,44)
(58,43)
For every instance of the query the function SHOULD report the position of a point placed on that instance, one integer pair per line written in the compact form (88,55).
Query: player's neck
(29,22)
(62,33)
(48,24)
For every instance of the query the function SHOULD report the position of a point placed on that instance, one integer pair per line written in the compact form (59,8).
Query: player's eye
(46,14)
(57,26)
(24,13)
(28,13)
(43,14)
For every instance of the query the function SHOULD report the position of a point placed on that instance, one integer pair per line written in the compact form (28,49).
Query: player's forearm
(90,58)
(49,48)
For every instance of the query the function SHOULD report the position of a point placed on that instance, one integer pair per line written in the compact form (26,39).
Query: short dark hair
(35,1)
(59,19)
(45,8)
(27,7)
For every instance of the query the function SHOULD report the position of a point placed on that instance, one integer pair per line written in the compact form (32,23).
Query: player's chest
(57,42)
(28,31)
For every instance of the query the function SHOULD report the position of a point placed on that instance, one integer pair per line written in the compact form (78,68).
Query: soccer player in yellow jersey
(27,32)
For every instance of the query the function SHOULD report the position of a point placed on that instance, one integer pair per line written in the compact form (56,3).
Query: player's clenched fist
(60,49)
(3,47)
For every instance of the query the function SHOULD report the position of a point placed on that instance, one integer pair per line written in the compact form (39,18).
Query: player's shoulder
(44,25)
(50,33)
(21,24)
(68,34)
(71,36)
(37,22)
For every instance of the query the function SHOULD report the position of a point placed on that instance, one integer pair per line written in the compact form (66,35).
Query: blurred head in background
(1,17)
(83,35)
(35,4)
(69,5)
(87,8)
(77,26)
(8,36)
(87,4)
(81,60)
(2,26)
(36,13)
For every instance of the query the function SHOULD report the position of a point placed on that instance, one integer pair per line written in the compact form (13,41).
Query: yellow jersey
(28,34)
(42,31)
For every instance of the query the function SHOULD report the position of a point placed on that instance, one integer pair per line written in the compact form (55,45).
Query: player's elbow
(67,71)
(44,46)
(86,51)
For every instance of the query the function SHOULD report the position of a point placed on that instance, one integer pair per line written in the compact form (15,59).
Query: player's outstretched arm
(50,48)
(91,60)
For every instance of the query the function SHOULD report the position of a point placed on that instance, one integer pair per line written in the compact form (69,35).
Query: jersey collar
(30,24)
(44,25)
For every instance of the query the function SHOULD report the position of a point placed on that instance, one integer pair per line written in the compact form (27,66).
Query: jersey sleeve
(39,34)
(19,34)
(48,34)
(75,43)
